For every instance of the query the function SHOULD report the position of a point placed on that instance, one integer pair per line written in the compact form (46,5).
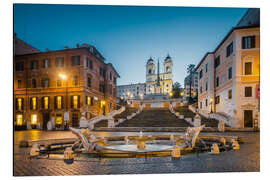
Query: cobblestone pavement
(247,159)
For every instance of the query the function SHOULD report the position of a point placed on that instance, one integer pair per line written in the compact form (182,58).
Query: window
(114,80)
(102,88)
(33,119)
(59,83)
(248,91)
(58,120)
(59,102)
(223,79)
(201,89)
(248,68)
(206,68)
(110,89)
(75,60)
(248,42)
(201,105)
(206,86)
(230,94)
(229,49)
(46,63)
(19,104)
(59,62)
(34,83)
(88,82)
(75,80)
(217,81)
(88,100)
(217,99)
(19,83)
(75,102)
(45,103)
(230,73)
(45,82)
(217,61)
(206,102)
(34,65)
(201,74)
(89,63)
(19,66)
(149,71)
(33,103)
(19,120)
(110,75)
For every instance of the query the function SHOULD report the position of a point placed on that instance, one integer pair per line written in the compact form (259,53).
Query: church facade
(156,82)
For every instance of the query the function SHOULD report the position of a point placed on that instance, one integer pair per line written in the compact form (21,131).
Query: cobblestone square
(247,159)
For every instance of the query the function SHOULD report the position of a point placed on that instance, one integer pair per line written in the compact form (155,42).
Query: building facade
(191,81)
(61,85)
(131,91)
(229,77)
(156,82)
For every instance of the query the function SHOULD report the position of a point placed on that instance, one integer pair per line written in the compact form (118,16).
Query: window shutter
(86,100)
(79,102)
(71,102)
(243,42)
(48,102)
(37,103)
(16,104)
(42,102)
(253,42)
(55,103)
(31,104)
(22,103)
(62,102)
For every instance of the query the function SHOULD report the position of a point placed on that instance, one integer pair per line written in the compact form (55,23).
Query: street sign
(66,116)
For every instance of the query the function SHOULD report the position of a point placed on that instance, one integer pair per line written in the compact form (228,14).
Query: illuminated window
(46,102)
(59,102)
(19,120)
(33,119)
(34,103)
(75,102)
(88,100)
(19,103)
(59,119)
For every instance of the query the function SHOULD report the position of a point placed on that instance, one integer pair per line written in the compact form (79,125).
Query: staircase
(155,117)
(189,114)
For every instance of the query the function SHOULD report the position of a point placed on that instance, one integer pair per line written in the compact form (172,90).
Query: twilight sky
(128,35)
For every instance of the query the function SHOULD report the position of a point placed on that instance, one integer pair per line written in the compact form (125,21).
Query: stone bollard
(68,157)
(221,126)
(215,149)
(171,137)
(235,145)
(197,120)
(223,141)
(176,152)
(34,151)
(126,139)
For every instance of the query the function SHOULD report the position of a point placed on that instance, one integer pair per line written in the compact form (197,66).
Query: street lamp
(66,115)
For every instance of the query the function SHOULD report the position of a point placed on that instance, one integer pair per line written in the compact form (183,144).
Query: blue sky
(128,35)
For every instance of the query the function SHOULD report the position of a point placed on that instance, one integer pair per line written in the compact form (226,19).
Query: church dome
(168,58)
(150,61)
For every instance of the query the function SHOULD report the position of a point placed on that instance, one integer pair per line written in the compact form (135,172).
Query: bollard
(215,149)
(171,137)
(235,145)
(126,139)
(34,151)
(176,152)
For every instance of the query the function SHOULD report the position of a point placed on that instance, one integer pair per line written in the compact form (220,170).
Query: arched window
(150,71)
(167,69)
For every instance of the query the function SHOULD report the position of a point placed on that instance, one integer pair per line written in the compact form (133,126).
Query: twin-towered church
(156,82)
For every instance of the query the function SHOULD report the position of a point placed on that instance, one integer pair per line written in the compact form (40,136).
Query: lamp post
(66,115)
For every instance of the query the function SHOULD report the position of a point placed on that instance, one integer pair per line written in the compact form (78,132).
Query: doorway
(248,118)
(46,118)
(75,120)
